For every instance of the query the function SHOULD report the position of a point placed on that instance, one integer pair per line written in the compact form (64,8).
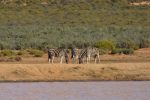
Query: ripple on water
(75,91)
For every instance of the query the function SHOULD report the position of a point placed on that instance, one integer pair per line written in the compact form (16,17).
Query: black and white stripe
(74,54)
(88,53)
(62,53)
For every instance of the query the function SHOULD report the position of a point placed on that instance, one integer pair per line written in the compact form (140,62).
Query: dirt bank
(74,72)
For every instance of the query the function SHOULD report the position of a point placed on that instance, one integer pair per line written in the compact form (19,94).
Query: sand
(75,72)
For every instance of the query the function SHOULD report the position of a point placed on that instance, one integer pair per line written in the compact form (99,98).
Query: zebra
(88,53)
(74,54)
(62,53)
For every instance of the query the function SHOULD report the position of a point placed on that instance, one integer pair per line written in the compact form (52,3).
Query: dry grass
(72,72)
(141,3)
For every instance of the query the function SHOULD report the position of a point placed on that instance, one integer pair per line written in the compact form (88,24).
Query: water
(75,91)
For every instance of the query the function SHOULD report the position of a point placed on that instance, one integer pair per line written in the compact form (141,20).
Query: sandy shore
(75,72)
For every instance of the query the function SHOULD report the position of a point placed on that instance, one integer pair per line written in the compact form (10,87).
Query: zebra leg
(76,59)
(61,59)
(98,58)
(95,58)
(73,59)
(49,60)
(87,60)
(52,59)
(67,59)
(83,59)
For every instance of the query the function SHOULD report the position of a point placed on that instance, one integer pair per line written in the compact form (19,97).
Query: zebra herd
(77,55)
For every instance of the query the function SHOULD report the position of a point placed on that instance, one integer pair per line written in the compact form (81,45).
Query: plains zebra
(74,54)
(62,53)
(88,53)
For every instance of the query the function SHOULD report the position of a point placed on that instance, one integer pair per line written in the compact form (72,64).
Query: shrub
(127,44)
(7,53)
(30,51)
(36,53)
(102,51)
(144,43)
(20,53)
(124,51)
(128,51)
(117,51)
(105,44)
(114,51)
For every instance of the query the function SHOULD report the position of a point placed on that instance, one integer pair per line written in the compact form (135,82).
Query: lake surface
(76,91)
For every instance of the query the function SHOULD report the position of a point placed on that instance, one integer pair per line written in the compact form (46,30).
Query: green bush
(105,44)
(20,53)
(38,54)
(35,53)
(31,51)
(127,44)
(114,51)
(103,51)
(128,51)
(145,43)
(7,53)
(122,51)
